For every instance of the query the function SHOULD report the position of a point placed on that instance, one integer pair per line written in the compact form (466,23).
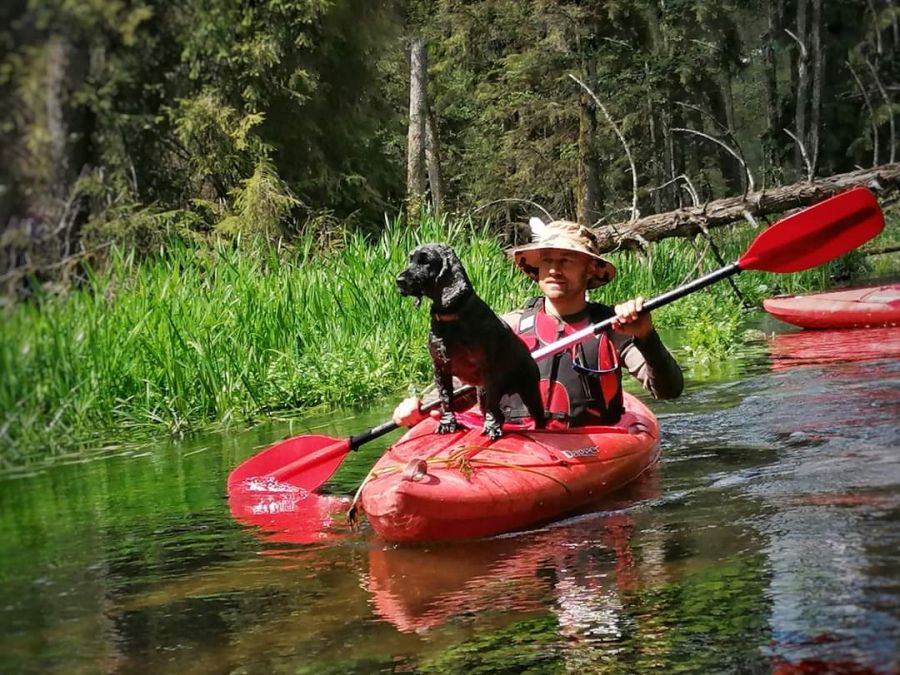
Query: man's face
(563,274)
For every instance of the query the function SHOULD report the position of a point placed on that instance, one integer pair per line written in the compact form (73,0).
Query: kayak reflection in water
(417,589)
(821,347)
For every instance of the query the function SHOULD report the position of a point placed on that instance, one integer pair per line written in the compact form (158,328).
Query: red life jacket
(582,385)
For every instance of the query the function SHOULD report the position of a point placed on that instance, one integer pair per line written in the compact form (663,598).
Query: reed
(239,331)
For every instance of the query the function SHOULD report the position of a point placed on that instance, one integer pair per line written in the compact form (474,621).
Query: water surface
(767,540)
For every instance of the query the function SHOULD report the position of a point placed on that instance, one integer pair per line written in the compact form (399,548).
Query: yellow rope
(466,464)
(463,459)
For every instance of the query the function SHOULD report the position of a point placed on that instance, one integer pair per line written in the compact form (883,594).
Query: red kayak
(429,487)
(855,308)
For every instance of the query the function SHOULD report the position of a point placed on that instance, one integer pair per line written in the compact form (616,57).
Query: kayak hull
(854,308)
(431,487)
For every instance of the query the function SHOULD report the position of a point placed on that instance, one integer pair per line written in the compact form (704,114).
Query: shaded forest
(135,122)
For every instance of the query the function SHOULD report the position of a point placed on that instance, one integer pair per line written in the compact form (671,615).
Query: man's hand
(630,320)
(407,412)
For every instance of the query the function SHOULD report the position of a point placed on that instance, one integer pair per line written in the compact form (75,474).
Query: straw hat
(567,236)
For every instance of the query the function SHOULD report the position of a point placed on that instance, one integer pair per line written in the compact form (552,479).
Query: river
(766,540)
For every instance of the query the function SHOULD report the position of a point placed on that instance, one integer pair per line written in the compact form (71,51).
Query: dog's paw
(492,427)
(447,425)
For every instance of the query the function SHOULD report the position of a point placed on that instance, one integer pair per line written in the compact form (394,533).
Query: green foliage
(170,104)
(263,204)
(232,332)
(219,141)
(712,328)
(244,149)
(199,335)
(179,107)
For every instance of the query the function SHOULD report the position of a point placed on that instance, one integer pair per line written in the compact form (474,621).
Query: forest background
(141,136)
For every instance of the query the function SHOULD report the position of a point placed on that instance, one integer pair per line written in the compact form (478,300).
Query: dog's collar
(445,317)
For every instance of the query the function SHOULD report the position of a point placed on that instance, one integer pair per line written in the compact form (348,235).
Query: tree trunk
(692,149)
(433,162)
(895,25)
(876,28)
(689,221)
(66,133)
(873,121)
(415,147)
(773,109)
(802,101)
(68,136)
(771,67)
(588,204)
(654,143)
(733,173)
(817,54)
(675,160)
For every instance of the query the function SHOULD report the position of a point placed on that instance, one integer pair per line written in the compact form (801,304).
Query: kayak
(854,308)
(430,487)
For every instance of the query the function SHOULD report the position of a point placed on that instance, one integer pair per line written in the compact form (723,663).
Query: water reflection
(770,541)
(821,347)
(564,565)
(292,516)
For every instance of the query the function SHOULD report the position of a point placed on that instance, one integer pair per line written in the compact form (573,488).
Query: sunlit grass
(235,333)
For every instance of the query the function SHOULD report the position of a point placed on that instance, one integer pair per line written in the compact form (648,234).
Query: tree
(418,116)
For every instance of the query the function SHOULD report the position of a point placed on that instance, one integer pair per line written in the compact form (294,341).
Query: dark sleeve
(652,364)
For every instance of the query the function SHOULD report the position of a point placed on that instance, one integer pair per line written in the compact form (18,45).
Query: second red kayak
(429,487)
(854,308)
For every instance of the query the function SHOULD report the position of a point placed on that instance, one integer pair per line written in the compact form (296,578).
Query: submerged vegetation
(241,331)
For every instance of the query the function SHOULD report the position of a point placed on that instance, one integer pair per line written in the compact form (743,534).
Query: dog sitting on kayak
(469,341)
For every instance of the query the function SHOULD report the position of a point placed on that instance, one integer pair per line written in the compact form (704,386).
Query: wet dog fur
(468,340)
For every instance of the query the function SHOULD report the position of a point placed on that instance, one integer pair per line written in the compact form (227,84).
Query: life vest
(583,384)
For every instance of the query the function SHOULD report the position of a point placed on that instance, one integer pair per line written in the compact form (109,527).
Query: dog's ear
(452,282)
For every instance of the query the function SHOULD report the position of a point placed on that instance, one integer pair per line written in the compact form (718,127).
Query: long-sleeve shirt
(647,359)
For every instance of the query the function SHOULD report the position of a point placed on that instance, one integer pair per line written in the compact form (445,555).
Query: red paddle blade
(816,235)
(302,461)
(290,516)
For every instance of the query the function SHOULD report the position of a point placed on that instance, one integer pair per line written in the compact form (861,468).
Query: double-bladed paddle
(803,240)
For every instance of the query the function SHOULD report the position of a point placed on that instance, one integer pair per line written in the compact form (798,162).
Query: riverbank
(231,334)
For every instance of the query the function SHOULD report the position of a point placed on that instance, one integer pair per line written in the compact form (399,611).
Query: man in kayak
(582,385)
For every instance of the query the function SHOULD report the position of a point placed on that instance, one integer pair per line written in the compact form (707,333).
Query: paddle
(806,239)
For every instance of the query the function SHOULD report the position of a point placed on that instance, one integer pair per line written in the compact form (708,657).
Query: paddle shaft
(388,427)
(341,447)
(566,342)
(800,241)
(649,306)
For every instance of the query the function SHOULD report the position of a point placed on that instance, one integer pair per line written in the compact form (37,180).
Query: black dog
(468,340)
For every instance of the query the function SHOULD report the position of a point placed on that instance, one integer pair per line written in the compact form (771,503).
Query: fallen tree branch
(880,251)
(689,221)
(809,167)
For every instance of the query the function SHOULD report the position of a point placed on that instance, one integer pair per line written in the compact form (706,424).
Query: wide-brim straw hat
(567,236)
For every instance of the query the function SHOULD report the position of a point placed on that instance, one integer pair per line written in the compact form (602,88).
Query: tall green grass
(234,333)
